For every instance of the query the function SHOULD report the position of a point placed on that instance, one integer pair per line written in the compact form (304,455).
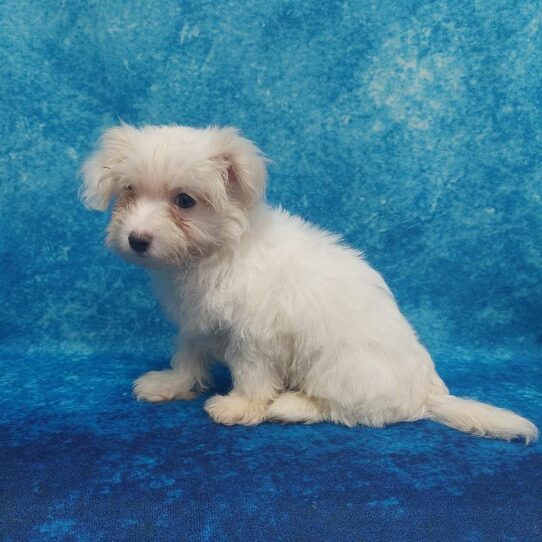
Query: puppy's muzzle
(140,242)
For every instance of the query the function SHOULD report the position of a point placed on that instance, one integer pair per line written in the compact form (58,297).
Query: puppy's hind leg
(295,407)
(187,376)
(255,385)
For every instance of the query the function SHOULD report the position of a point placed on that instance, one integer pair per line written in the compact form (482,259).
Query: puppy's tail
(479,418)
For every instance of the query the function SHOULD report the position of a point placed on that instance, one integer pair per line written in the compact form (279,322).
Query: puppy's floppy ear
(243,166)
(98,171)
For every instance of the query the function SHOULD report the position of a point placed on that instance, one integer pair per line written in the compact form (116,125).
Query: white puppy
(309,330)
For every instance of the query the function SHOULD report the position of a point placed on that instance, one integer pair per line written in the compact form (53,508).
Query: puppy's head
(179,193)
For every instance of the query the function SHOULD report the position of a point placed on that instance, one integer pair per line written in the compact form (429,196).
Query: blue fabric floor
(411,128)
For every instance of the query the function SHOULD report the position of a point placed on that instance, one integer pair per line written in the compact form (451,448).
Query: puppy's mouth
(143,258)
(146,260)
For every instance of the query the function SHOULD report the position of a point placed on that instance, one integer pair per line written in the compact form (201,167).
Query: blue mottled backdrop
(412,128)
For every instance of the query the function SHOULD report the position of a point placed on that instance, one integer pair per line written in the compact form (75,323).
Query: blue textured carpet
(412,128)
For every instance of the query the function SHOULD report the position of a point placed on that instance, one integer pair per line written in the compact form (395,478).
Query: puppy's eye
(184,201)
(128,188)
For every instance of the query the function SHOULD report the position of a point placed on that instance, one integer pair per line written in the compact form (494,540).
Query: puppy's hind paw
(159,386)
(235,409)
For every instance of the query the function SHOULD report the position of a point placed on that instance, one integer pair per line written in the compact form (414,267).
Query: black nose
(140,242)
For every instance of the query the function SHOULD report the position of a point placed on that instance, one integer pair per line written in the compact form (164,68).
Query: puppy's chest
(204,314)
(198,309)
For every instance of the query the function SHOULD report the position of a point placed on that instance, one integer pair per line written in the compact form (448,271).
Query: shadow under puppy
(308,329)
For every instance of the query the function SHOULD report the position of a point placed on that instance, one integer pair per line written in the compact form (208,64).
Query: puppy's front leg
(255,385)
(187,376)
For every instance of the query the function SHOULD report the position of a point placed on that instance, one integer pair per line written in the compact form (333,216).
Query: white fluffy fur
(308,329)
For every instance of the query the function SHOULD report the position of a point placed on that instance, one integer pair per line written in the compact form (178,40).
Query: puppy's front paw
(158,386)
(236,409)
